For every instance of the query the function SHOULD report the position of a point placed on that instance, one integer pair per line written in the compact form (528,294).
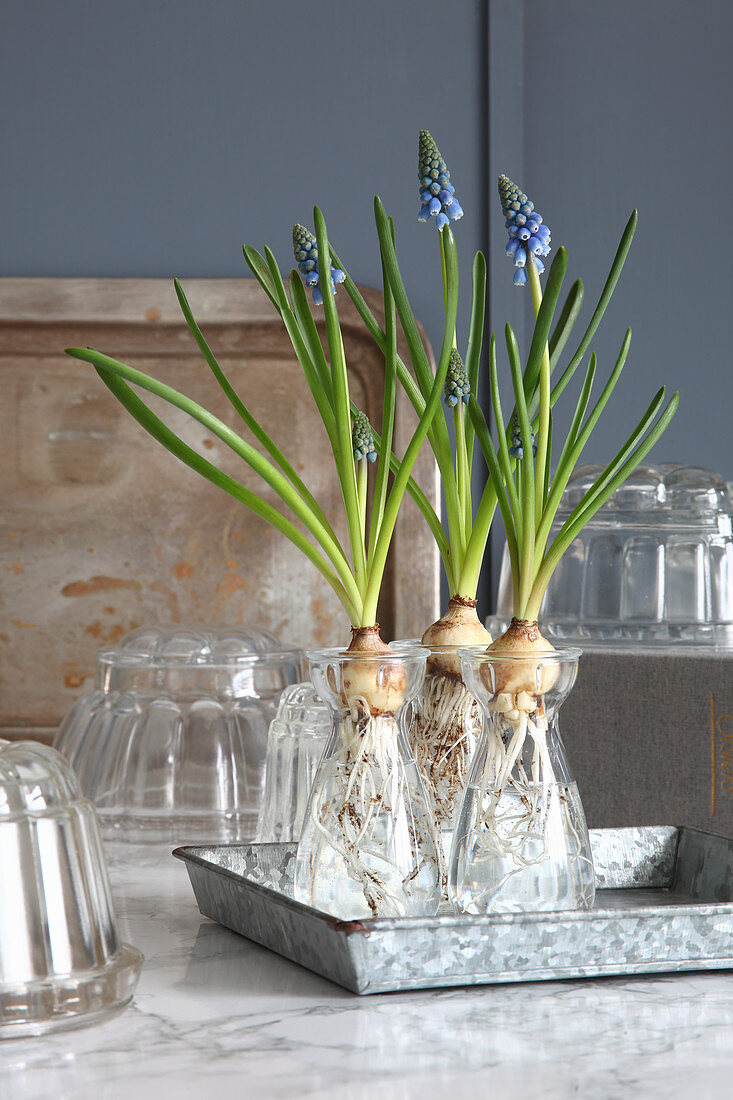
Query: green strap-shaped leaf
(475,341)
(608,289)
(261,465)
(261,272)
(418,355)
(341,407)
(238,405)
(388,405)
(504,456)
(308,327)
(525,470)
(565,322)
(596,497)
(543,322)
(159,431)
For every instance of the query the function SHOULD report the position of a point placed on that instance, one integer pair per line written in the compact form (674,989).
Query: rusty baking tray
(102,530)
(664,903)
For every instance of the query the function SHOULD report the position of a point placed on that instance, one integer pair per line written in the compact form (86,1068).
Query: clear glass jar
(521,841)
(368,846)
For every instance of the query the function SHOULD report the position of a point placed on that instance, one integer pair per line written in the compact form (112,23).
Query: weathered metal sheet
(664,903)
(101,530)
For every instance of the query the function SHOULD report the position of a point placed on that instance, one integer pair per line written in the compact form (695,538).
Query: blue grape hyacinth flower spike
(362,439)
(457,387)
(437,193)
(528,234)
(305,248)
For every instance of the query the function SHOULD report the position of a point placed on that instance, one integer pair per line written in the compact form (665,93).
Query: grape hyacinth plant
(368,824)
(528,495)
(445,716)
(521,839)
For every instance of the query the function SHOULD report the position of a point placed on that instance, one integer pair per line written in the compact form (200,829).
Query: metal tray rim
(189,854)
(659,933)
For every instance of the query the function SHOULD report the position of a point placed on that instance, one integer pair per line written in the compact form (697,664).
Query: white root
(366,776)
(446,720)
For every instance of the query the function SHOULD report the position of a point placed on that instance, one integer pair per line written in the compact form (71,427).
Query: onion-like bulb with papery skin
(459,626)
(522,681)
(371,684)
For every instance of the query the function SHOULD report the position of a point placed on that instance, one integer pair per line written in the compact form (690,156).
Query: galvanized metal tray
(664,903)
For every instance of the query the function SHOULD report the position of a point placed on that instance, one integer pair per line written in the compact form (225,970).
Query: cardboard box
(649,736)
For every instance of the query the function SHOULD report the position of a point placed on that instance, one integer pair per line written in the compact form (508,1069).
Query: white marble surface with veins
(217,1016)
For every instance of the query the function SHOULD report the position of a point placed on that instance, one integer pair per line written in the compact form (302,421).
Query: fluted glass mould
(655,564)
(171,744)
(61,959)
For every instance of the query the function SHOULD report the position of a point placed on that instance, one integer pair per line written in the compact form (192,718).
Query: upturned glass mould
(655,564)
(61,960)
(171,745)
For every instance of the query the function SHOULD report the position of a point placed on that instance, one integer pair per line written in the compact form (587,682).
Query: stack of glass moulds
(297,738)
(171,744)
(61,960)
(654,565)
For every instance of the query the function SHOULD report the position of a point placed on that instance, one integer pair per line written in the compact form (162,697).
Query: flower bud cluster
(437,193)
(362,439)
(305,247)
(528,234)
(516,450)
(457,386)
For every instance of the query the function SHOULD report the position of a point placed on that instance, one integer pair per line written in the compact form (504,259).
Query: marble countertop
(216,1015)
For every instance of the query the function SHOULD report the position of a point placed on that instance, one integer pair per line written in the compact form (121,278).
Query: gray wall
(151,139)
(628,105)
